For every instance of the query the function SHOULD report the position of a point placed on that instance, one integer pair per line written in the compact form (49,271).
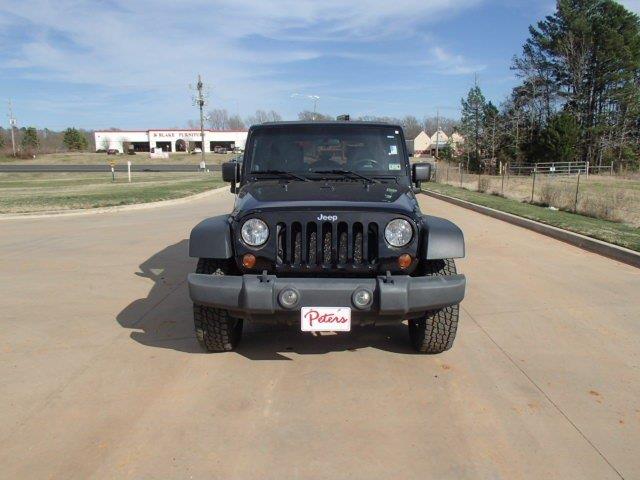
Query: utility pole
(493,139)
(12,124)
(437,133)
(517,150)
(200,100)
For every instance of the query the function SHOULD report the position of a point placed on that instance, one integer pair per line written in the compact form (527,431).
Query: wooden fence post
(575,203)
(533,186)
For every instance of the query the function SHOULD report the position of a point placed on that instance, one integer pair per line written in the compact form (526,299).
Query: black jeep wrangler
(326,233)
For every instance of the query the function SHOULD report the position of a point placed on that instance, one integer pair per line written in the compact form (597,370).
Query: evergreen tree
(473,125)
(586,57)
(74,140)
(559,140)
(30,142)
(448,151)
(491,118)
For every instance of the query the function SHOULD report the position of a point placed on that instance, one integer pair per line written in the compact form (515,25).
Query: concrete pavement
(102,377)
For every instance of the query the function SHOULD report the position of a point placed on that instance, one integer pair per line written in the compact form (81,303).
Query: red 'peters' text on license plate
(325,319)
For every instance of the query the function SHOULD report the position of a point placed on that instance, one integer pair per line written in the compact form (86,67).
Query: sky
(129,63)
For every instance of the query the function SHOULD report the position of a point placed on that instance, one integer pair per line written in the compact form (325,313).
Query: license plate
(325,319)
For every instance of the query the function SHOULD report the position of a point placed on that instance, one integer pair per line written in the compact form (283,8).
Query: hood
(343,195)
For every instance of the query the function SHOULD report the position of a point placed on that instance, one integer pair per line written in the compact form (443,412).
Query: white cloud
(239,46)
(447,63)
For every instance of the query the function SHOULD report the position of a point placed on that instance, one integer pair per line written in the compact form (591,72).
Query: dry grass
(87,158)
(599,196)
(559,196)
(612,232)
(484,184)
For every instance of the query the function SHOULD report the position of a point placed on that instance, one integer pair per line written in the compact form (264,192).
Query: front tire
(436,330)
(216,329)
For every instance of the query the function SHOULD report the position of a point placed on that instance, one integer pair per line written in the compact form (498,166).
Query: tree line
(578,96)
(219,119)
(30,140)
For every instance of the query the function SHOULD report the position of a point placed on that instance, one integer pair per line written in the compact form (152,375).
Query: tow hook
(263,277)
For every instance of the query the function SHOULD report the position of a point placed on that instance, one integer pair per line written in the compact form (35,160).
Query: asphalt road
(59,168)
(102,378)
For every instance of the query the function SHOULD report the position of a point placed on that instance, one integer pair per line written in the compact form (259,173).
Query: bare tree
(309,116)
(447,125)
(373,118)
(262,116)
(236,123)
(411,126)
(218,119)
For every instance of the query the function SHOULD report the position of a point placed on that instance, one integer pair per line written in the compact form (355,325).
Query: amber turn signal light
(404,261)
(248,261)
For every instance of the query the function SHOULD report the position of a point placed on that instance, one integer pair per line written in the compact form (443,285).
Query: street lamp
(315,99)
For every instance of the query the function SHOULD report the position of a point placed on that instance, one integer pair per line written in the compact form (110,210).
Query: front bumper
(249,296)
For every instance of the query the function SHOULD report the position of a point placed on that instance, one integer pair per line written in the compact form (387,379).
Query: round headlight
(254,232)
(398,232)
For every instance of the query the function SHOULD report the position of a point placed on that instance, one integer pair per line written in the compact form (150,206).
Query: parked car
(196,150)
(326,232)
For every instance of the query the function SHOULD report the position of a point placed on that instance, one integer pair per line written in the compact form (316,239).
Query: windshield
(303,149)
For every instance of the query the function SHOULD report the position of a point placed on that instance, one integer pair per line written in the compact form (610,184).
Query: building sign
(177,134)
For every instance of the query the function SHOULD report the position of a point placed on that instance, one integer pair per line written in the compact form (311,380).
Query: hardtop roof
(324,123)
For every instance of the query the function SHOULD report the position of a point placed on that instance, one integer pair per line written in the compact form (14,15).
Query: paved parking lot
(102,377)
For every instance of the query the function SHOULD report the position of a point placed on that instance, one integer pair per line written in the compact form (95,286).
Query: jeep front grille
(326,244)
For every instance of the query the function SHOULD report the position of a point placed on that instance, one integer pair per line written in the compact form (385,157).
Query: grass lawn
(612,232)
(38,192)
(87,158)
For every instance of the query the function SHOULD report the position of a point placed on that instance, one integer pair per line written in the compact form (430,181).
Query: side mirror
(231,174)
(421,172)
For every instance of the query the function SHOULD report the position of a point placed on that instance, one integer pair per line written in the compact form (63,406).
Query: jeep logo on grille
(328,218)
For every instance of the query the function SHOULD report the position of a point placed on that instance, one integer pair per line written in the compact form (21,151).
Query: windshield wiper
(347,173)
(282,173)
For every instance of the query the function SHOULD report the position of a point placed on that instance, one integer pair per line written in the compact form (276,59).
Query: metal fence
(609,197)
(557,168)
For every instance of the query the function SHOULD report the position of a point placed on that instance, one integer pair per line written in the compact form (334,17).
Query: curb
(605,249)
(117,208)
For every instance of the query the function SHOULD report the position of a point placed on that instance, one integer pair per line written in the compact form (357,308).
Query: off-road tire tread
(216,329)
(435,332)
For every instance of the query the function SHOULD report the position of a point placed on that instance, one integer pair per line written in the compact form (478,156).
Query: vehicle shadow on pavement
(164,319)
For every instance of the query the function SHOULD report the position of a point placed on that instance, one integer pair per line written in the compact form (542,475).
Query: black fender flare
(211,238)
(440,239)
